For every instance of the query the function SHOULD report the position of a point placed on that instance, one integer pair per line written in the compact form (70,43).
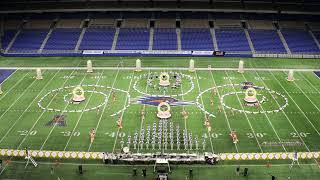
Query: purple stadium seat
(300,41)
(133,39)
(165,39)
(266,41)
(63,39)
(232,40)
(29,40)
(196,39)
(7,37)
(97,39)
(317,35)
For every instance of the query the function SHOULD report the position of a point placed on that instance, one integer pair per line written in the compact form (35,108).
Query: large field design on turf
(39,114)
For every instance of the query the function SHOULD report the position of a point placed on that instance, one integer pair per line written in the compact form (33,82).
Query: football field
(39,114)
(29,107)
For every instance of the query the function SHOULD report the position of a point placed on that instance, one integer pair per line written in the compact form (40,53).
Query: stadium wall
(158,54)
(129,53)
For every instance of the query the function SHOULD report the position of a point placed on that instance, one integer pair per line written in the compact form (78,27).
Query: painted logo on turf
(156,100)
(317,73)
(247,85)
(57,120)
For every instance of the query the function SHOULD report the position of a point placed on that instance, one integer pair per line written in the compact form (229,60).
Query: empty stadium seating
(165,23)
(97,39)
(38,24)
(317,35)
(194,32)
(133,39)
(196,39)
(266,41)
(232,40)
(194,23)
(300,41)
(135,23)
(165,39)
(69,23)
(101,22)
(260,24)
(63,39)
(29,40)
(8,35)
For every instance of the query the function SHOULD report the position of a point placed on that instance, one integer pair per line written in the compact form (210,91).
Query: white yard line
(304,77)
(104,107)
(266,115)
(3,169)
(126,101)
(316,75)
(151,165)
(8,76)
(203,107)
(183,108)
(16,100)
(295,103)
(306,94)
(48,136)
(245,114)
(60,114)
(225,114)
(285,114)
(144,106)
(31,128)
(288,118)
(160,68)
(37,120)
(17,120)
(87,103)
(54,126)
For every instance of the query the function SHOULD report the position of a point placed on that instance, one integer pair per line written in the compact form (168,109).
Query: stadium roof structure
(263,6)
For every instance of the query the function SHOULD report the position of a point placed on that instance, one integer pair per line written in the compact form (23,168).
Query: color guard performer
(219,108)
(207,124)
(295,160)
(142,114)
(185,114)
(232,112)
(114,96)
(234,137)
(119,123)
(214,91)
(92,135)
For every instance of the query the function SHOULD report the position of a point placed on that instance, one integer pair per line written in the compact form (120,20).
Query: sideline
(158,68)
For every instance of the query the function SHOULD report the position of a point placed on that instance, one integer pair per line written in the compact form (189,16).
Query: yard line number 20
(26,132)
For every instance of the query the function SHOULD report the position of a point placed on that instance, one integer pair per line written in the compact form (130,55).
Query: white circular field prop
(138,65)
(39,74)
(241,67)
(89,66)
(290,76)
(191,65)
(164,110)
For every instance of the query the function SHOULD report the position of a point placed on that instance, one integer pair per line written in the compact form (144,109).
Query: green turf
(23,123)
(159,62)
(96,171)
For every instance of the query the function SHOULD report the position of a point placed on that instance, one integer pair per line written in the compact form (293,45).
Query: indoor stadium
(160,89)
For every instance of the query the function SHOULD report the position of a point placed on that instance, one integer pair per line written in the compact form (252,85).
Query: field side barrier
(100,155)
(304,56)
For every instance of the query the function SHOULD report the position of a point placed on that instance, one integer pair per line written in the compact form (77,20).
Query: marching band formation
(161,135)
